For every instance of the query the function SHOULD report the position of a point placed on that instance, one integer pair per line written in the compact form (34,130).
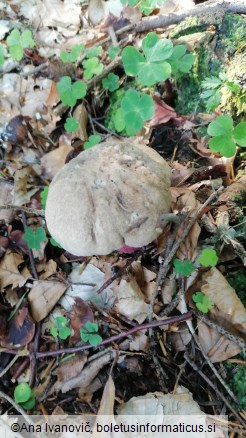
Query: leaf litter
(39,284)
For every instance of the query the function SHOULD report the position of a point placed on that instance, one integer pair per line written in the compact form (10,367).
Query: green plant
(135,108)
(202,302)
(156,62)
(226,137)
(184,267)
(60,330)
(24,395)
(34,238)
(213,87)
(145,6)
(113,51)
(92,67)
(73,55)
(70,93)
(93,52)
(71,124)
(180,60)
(43,196)
(111,82)
(238,384)
(92,141)
(150,67)
(17,42)
(90,334)
(54,242)
(208,258)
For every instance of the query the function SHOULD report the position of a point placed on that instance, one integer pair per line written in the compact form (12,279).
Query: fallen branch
(210,8)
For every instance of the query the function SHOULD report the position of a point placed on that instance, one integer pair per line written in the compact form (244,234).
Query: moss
(188,26)
(238,282)
(221,51)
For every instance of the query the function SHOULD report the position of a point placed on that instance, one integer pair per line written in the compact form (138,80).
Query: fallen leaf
(130,300)
(71,368)
(43,297)
(20,329)
(9,272)
(54,160)
(6,197)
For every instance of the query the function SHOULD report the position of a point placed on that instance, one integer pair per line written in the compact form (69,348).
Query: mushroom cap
(111,195)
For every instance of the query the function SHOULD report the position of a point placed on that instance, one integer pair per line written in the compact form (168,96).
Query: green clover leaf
(180,60)
(208,258)
(73,55)
(222,125)
(34,238)
(17,42)
(150,67)
(22,392)
(202,302)
(61,330)
(111,82)
(239,134)
(92,67)
(92,141)
(89,334)
(93,52)
(54,242)
(135,109)
(71,124)
(70,93)
(113,52)
(224,145)
(183,267)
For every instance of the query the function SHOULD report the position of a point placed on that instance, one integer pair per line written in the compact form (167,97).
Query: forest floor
(166,323)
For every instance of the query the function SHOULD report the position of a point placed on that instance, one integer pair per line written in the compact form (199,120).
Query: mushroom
(111,195)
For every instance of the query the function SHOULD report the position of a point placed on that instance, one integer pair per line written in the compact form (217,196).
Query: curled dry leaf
(87,375)
(71,368)
(9,271)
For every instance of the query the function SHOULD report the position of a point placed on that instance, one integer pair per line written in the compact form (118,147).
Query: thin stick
(118,337)
(20,207)
(17,407)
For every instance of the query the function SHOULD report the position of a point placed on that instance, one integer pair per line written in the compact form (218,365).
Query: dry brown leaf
(81,115)
(9,272)
(185,199)
(217,347)
(139,342)
(88,374)
(71,368)
(55,159)
(228,311)
(229,308)
(130,300)
(108,397)
(180,337)
(6,197)
(22,192)
(20,329)
(49,269)
(43,297)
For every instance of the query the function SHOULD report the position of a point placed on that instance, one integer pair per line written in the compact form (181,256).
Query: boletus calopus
(111,195)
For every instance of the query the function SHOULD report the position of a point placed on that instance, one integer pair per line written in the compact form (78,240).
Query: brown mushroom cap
(111,195)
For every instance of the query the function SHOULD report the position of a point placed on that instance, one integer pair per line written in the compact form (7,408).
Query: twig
(34,70)
(17,407)
(115,63)
(118,337)
(165,266)
(20,207)
(204,377)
